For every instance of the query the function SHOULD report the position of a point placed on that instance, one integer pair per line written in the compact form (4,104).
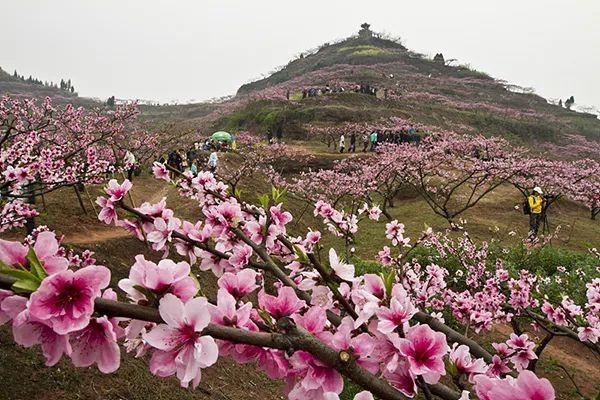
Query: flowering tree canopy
(451,172)
(44,148)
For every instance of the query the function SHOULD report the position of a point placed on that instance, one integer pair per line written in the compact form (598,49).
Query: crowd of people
(180,159)
(189,160)
(370,141)
(318,91)
(366,89)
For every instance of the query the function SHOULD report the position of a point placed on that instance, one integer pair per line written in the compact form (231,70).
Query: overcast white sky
(198,49)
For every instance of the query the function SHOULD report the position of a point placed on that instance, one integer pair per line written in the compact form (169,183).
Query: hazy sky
(198,49)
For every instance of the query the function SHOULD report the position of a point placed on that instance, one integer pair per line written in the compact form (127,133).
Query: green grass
(364,51)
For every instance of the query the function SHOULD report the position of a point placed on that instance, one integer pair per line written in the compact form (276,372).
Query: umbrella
(221,136)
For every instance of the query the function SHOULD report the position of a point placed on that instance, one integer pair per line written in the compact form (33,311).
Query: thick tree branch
(295,339)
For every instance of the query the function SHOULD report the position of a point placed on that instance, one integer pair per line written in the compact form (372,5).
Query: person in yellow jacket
(536,207)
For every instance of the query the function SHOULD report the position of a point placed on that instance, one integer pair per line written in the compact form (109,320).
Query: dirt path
(102,233)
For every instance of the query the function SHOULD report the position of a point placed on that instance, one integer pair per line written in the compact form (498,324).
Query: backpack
(526,208)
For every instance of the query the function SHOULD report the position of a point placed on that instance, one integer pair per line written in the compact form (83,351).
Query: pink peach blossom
(341,269)
(160,171)
(425,350)
(399,374)
(65,301)
(97,343)
(240,256)
(239,284)
(108,213)
(281,218)
(5,315)
(12,253)
(310,379)
(227,313)
(181,348)
(461,358)
(162,232)
(29,331)
(284,304)
(401,310)
(116,191)
(527,386)
(164,277)
(46,248)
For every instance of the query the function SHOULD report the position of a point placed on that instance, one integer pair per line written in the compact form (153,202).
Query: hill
(364,49)
(17,87)
(410,86)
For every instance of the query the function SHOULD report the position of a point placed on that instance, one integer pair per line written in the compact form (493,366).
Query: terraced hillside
(408,86)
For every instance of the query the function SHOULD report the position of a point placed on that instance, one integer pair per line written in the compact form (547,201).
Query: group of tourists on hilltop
(363,88)
(370,141)
(318,91)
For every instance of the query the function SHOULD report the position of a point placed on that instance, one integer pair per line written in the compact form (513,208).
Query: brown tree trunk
(79,199)
(30,222)
(385,212)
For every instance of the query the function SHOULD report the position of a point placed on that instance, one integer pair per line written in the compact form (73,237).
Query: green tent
(221,136)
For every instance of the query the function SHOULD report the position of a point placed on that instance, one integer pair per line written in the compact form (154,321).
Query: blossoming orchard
(289,303)
(44,149)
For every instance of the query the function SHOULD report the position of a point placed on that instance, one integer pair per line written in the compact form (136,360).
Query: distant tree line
(64,84)
(110,102)
(568,103)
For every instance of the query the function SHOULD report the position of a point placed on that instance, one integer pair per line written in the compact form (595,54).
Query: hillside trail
(99,234)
